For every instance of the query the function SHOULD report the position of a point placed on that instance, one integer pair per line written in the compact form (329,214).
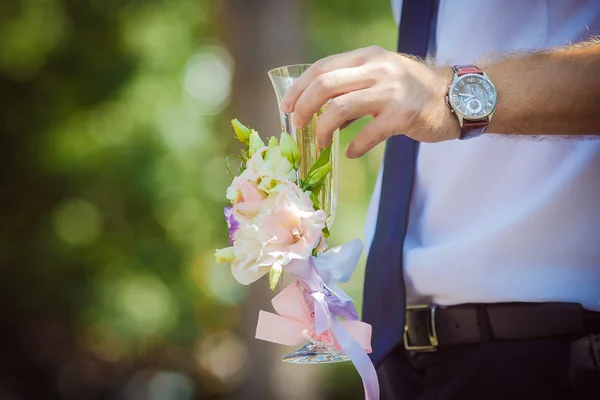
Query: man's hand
(403,95)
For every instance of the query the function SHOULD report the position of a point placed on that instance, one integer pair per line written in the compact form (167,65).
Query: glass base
(316,354)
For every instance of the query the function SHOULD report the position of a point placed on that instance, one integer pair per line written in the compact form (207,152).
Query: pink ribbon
(294,322)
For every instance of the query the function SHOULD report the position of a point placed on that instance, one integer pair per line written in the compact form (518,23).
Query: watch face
(473,96)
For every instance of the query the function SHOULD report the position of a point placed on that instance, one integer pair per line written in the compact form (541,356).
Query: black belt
(431,327)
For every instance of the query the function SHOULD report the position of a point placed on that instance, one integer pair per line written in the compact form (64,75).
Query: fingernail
(284,106)
(347,152)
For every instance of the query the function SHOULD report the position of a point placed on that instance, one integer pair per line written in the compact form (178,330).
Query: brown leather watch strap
(472,129)
(467,69)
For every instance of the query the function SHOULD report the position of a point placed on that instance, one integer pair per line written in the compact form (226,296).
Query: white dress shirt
(499,218)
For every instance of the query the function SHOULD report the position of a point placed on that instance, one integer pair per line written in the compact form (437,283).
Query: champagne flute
(323,351)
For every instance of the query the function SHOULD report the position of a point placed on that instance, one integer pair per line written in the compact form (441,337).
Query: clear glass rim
(274,71)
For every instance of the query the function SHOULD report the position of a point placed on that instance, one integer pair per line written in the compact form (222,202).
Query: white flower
(285,229)
(249,264)
(274,168)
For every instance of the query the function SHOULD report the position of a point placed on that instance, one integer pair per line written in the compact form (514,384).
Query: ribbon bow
(295,322)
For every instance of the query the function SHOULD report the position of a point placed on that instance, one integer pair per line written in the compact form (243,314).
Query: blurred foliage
(337,26)
(112,192)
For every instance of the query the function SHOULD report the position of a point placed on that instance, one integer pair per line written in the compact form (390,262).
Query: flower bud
(242,132)
(255,142)
(272,147)
(225,255)
(290,149)
(275,275)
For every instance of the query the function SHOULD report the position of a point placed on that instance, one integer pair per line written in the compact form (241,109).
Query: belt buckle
(431,331)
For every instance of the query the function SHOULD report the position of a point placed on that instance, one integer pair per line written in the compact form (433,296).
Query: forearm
(548,93)
(551,93)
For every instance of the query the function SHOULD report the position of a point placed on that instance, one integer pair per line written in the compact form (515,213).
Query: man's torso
(499,218)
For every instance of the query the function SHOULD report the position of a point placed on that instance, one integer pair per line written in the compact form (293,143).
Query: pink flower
(293,229)
(242,190)
(285,229)
(246,199)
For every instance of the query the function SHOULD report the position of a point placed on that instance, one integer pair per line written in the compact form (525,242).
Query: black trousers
(548,369)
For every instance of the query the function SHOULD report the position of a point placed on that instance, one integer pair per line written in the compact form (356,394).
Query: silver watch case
(453,109)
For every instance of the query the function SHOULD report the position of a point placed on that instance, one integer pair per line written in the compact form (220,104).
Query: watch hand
(466,95)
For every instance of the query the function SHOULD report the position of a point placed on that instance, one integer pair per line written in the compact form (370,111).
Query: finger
(344,108)
(328,86)
(339,61)
(376,131)
(348,123)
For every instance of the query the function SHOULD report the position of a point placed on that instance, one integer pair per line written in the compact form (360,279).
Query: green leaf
(323,159)
(275,275)
(315,200)
(290,149)
(316,189)
(242,132)
(255,143)
(318,171)
(326,232)
(316,176)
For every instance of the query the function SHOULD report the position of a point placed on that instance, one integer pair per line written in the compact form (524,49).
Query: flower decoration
(276,225)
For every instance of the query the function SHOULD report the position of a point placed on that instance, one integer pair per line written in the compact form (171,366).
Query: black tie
(384,298)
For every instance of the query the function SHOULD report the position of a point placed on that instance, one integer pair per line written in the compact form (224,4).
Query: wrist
(438,121)
(448,121)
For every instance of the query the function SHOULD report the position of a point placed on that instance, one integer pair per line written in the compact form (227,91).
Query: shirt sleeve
(397,10)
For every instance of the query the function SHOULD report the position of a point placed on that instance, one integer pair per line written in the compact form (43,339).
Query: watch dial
(473,96)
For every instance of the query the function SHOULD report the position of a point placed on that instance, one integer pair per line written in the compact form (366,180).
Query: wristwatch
(472,98)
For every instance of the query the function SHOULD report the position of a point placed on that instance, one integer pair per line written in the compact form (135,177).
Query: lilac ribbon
(359,358)
(317,276)
(306,272)
(326,319)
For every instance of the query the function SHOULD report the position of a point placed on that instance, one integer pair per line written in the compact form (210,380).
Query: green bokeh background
(114,123)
